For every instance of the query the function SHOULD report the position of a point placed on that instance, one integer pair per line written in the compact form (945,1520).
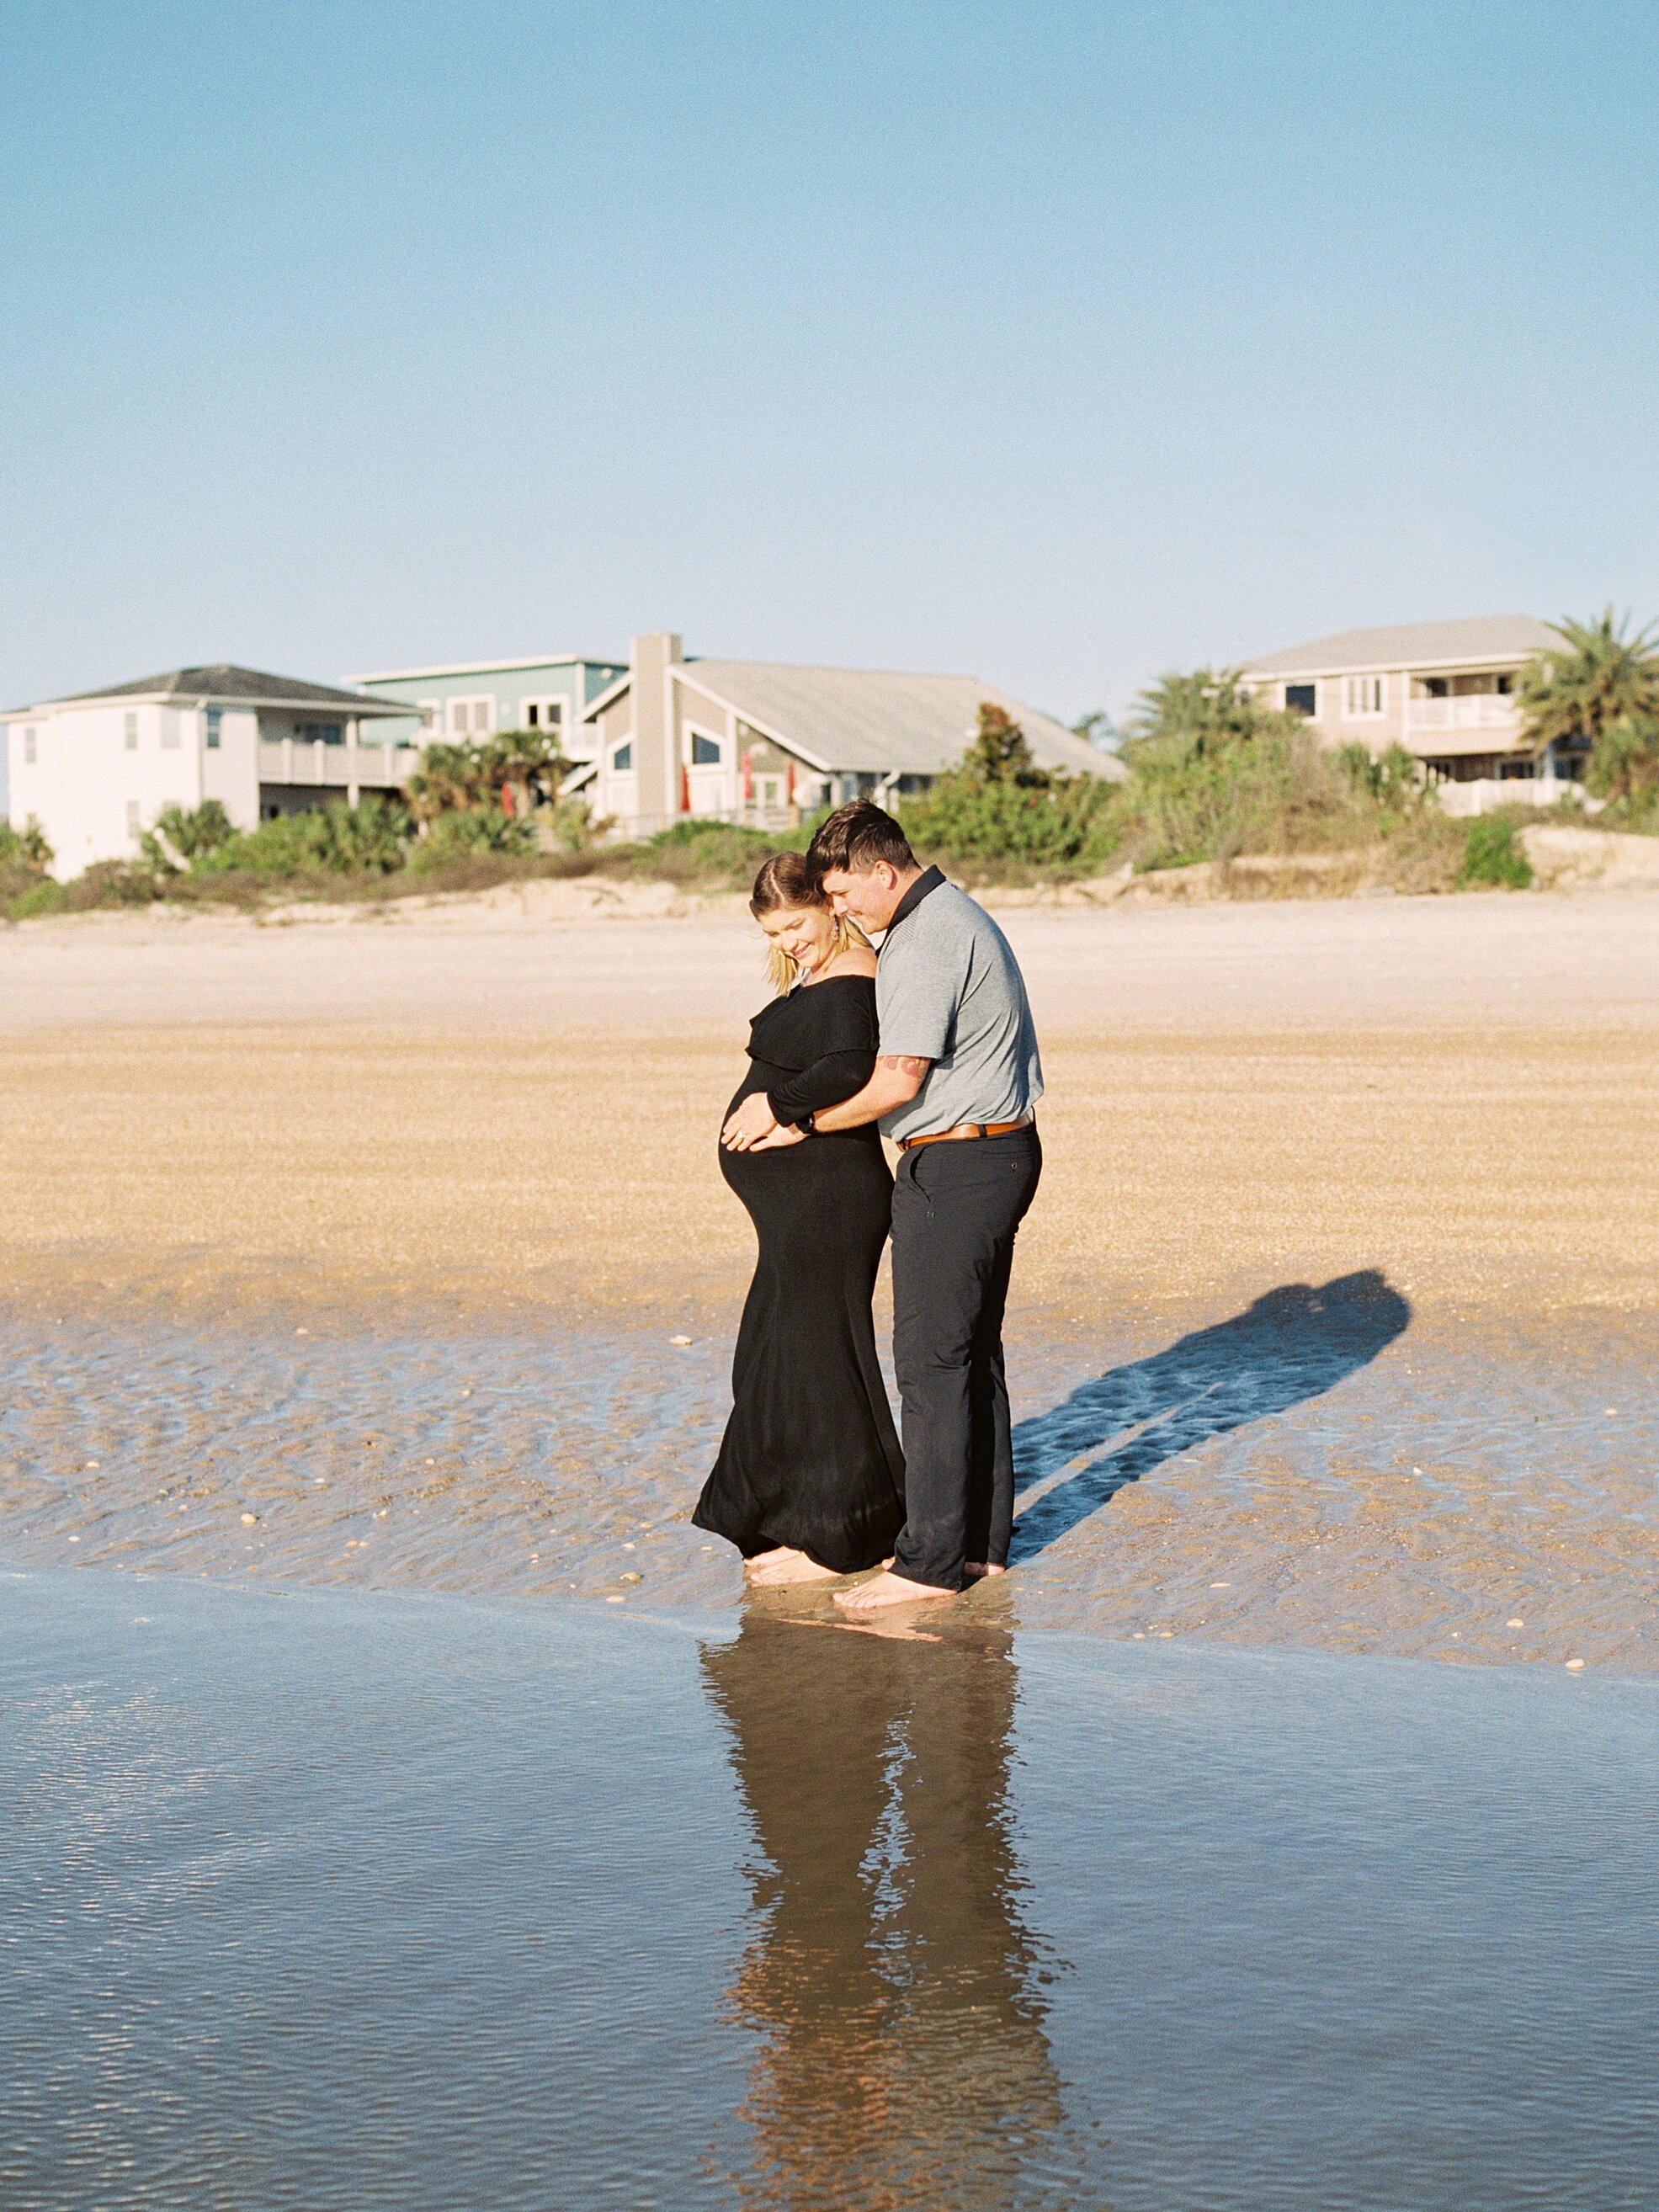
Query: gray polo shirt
(949,989)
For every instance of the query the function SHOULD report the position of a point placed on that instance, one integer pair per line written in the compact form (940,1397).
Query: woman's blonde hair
(788,880)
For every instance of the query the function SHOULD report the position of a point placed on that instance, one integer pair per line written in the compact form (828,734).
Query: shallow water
(327,1899)
(1319,1467)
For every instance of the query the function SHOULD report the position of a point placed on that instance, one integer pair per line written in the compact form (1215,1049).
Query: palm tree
(1571,695)
(526,763)
(447,781)
(1203,712)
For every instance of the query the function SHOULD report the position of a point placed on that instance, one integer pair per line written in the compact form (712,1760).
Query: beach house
(472,699)
(1444,691)
(762,742)
(96,768)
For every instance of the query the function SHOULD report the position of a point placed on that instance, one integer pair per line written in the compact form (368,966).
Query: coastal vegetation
(1212,777)
(1597,696)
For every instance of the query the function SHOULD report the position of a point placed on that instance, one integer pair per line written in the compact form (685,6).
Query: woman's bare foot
(975,1572)
(888,1589)
(778,1569)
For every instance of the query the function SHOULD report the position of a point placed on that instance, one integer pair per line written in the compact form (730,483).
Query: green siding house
(473,699)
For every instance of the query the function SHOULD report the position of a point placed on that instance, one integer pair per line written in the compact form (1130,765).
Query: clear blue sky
(1065,344)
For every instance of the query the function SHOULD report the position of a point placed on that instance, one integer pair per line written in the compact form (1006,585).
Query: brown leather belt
(967,1129)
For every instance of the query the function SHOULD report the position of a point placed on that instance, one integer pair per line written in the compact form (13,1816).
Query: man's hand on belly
(778,1139)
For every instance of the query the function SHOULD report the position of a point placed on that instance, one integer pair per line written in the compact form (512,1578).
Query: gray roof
(1413,645)
(866,720)
(248,685)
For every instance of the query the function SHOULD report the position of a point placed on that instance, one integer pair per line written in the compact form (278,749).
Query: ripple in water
(341,1899)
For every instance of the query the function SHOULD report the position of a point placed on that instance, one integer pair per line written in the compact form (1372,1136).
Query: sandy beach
(497,1115)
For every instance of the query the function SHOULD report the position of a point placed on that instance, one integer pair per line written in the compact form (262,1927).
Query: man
(955,1087)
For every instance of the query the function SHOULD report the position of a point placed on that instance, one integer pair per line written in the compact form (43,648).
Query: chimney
(656,754)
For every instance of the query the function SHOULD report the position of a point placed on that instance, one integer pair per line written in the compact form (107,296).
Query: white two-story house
(94,770)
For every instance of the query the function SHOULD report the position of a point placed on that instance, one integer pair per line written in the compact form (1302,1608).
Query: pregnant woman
(809,1484)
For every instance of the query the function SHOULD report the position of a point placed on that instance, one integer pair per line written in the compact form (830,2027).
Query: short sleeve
(917,997)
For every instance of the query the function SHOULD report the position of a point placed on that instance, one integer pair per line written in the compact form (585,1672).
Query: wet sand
(480,1135)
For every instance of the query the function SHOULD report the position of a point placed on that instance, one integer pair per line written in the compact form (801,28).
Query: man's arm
(897,1078)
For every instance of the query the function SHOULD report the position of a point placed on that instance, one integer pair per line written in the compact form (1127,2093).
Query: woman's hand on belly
(750,1123)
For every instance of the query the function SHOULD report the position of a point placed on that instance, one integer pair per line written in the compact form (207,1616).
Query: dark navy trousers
(957,1208)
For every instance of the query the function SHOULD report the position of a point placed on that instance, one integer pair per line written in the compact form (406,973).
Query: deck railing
(1478,710)
(298,760)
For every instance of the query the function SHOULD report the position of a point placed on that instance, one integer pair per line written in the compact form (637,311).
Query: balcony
(1478,710)
(339,767)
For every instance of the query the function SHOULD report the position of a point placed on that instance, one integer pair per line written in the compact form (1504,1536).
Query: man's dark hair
(856,837)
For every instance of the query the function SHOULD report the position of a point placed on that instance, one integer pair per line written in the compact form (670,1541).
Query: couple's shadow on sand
(1293,1343)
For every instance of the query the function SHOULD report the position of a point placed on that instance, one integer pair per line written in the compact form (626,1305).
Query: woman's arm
(894,1082)
(835,1076)
(831,1077)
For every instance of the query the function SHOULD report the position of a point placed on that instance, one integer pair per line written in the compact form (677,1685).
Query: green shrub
(460,836)
(1274,792)
(1000,806)
(1492,854)
(23,897)
(711,855)
(1064,821)
(1625,765)
(27,848)
(180,837)
(367,839)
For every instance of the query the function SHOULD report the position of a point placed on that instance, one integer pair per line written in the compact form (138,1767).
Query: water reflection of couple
(932,1044)
(891,1973)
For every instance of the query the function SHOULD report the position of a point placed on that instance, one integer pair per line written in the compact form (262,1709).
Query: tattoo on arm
(904,1063)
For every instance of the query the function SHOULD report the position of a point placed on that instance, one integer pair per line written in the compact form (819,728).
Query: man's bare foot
(976,1572)
(778,1569)
(770,1559)
(889,1590)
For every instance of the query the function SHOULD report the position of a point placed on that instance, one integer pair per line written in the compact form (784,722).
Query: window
(132,818)
(1363,697)
(541,713)
(321,734)
(705,751)
(28,746)
(432,714)
(214,718)
(1302,699)
(471,717)
(622,759)
(1505,686)
(171,734)
(130,732)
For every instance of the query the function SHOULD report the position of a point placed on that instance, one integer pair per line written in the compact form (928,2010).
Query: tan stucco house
(1444,691)
(762,742)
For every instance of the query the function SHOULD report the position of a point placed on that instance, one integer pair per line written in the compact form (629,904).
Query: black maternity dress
(811,1457)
